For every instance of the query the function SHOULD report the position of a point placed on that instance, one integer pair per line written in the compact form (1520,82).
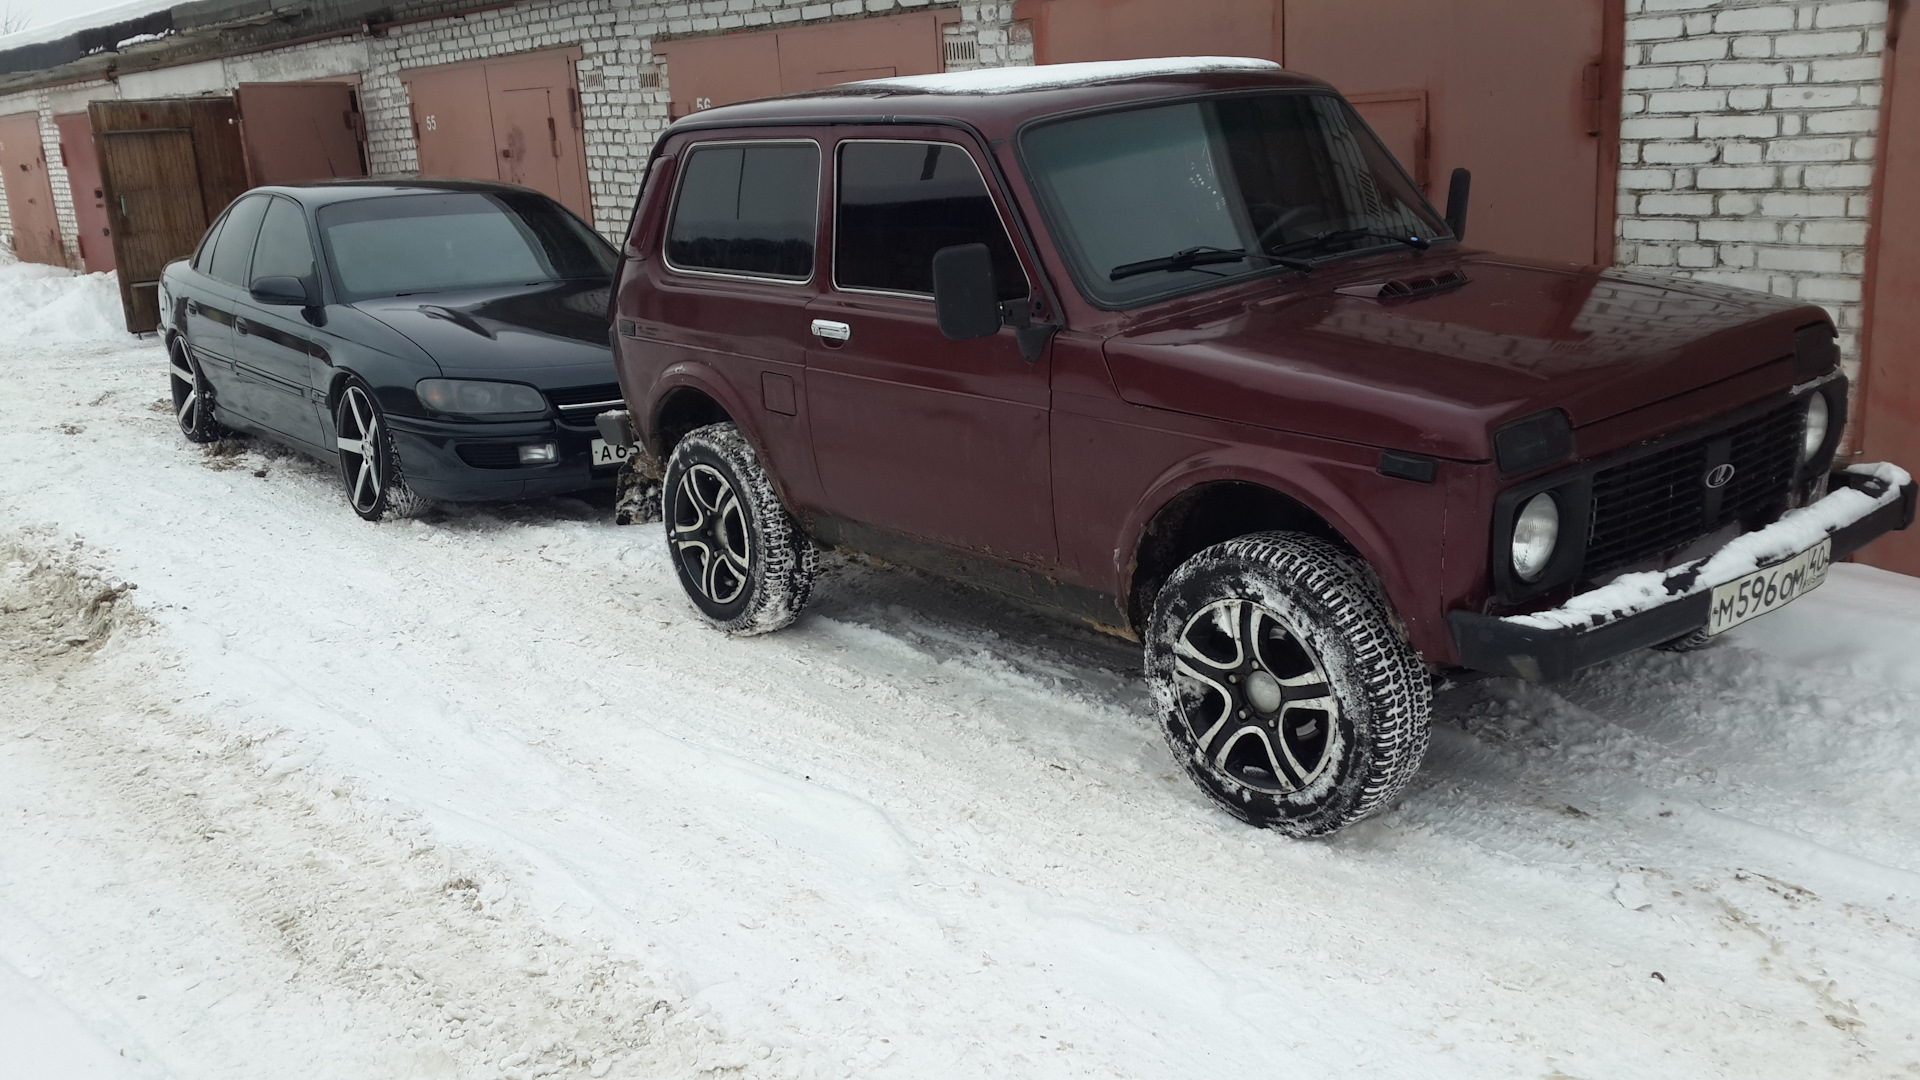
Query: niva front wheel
(1284,690)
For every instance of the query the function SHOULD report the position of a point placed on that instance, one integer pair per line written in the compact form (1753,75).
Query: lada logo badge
(1719,476)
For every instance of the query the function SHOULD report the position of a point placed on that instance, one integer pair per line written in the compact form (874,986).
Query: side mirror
(282,291)
(965,299)
(1457,190)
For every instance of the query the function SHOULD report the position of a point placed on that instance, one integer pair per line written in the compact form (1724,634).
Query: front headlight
(471,397)
(1816,427)
(1535,532)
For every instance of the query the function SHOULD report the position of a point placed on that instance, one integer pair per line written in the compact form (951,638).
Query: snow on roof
(1013,79)
(105,15)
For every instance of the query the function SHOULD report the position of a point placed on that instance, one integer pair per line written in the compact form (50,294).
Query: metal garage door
(514,118)
(1890,384)
(23,163)
(1523,92)
(89,198)
(299,131)
(705,72)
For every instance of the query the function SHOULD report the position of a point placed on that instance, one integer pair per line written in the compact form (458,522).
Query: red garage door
(1890,383)
(515,118)
(23,164)
(89,194)
(704,72)
(1523,92)
(301,131)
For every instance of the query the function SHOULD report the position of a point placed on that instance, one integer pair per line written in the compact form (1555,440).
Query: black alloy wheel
(1254,696)
(710,535)
(743,561)
(368,465)
(192,396)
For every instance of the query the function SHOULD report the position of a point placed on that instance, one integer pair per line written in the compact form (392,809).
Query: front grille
(589,399)
(1656,504)
(490,455)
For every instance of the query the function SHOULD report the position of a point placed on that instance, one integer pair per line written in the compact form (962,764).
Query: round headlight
(1535,532)
(1816,427)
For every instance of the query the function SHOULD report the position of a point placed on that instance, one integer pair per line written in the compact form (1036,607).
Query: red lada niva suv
(1177,349)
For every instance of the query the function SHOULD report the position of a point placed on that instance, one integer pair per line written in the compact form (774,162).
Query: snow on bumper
(1637,610)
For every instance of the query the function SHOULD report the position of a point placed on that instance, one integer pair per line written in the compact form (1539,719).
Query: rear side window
(203,258)
(747,208)
(284,250)
(233,248)
(899,202)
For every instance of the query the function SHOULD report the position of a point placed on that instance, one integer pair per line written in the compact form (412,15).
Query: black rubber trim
(1419,468)
(1493,645)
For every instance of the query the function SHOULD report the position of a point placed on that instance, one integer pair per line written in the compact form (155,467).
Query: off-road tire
(1686,643)
(1328,669)
(192,395)
(715,495)
(376,485)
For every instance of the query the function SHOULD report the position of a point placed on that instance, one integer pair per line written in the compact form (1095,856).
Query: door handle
(240,327)
(193,307)
(829,330)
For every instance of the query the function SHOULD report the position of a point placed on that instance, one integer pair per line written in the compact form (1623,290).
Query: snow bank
(51,306)
(1045,76)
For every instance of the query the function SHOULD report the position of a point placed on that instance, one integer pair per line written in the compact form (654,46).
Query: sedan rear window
(443,241)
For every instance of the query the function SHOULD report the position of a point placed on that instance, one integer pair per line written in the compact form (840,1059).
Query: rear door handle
(193,307)
(240,327)
(831,331)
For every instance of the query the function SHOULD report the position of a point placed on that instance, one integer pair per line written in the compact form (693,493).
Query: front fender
(1398,526)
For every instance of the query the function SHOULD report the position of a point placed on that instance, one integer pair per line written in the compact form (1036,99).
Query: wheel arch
(1195,508)
(689,396)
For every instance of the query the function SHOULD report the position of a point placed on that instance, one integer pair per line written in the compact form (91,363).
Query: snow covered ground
(283,793)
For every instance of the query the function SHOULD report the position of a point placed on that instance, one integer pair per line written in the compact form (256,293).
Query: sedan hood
(550,336)
(1432,373)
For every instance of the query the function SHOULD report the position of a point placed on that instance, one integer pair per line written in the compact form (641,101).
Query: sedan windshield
(447,240)
(1165,199)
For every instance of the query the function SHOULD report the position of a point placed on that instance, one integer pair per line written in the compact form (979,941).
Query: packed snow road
(286,793)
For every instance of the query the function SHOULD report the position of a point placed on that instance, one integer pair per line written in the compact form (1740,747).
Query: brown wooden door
(1889,415)
(152,223)
(303,131)
(89,197)
(23,163)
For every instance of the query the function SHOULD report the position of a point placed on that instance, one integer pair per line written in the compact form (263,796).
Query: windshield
(441,241)
(1178,197)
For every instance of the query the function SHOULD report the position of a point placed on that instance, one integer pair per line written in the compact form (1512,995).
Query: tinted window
(203,258)
(899,203)
(283,250)
(437,242)
(233,248)
(747,209)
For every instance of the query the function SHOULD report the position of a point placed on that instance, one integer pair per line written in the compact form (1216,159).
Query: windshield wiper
(1334,236)
(1197,256)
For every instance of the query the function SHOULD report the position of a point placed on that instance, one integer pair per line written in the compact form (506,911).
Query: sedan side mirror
(966,300)
(283,291)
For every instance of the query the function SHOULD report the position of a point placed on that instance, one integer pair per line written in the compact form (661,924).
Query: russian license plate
(1767,590)
(606,455)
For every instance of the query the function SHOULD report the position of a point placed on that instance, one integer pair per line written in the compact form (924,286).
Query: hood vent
(1404,288)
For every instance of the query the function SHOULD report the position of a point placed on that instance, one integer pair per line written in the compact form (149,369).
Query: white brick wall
(1747,143)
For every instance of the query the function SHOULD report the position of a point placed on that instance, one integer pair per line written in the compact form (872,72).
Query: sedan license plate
(1769,589)
(606,455)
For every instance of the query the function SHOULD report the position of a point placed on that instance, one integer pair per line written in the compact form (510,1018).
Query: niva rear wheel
(743,561)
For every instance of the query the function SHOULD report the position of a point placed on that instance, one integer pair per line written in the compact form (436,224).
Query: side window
(203,258)
(747,208)
(899,202)
(284,250)
(233,248)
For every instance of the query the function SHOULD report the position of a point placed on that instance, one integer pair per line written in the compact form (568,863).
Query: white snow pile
(1048,76)
(1795,532)
(52,306)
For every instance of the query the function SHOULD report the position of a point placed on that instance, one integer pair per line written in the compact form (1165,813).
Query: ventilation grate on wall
(962,51)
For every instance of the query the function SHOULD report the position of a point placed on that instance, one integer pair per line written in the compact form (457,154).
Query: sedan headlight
(1535,532)
(471,397)
(1817,419)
